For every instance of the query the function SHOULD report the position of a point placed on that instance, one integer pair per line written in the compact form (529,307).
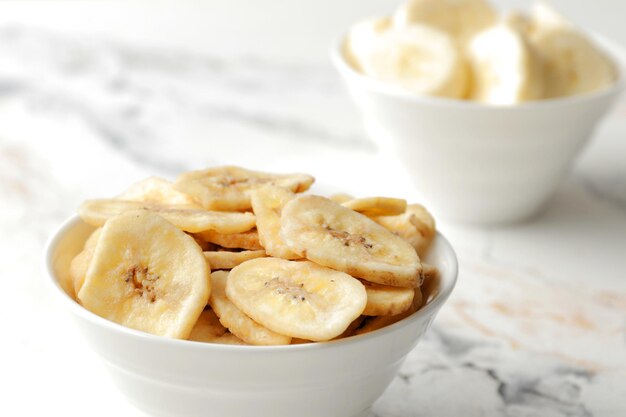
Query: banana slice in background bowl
(170,377)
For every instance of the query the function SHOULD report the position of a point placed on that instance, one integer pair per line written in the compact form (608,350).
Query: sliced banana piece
(340,198)
(297,298)
(190,219)
(148,275)
(329,234)
(461,19)
(157,190)
(228,260)
(228,188)
(416,226)
(573,63)
(362,37)
(421,59)
(507,69)
(384,300)
(377,206)
(245,240)
(207,328)
(267,204)
(80,263)
(378,322)
(240,324)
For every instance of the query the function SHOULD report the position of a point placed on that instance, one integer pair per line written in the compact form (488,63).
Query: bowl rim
(54,286)
(614,50)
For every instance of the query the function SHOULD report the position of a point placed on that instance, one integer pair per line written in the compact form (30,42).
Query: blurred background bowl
(474,163)
(169,377)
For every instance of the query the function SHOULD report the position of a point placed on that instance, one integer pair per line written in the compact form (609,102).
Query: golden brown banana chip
(80,263)
(157,190)
(238,322)
(329,234)
(228,187)
(385,300)
(377,206)
(246,240)
(416,225)
(267,204)
(224,259)
(189,219)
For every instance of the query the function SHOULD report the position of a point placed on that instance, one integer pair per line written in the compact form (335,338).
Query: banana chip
(329,234)
(238,322)
(157,190)
(189,219)
(224,259)
(229,187)
(296,298)
(416,226)
(80,263)
(148,275)
(267,204)
(245,240)
(377,206)
(384,300)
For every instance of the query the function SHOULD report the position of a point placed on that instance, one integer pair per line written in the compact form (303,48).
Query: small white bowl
(169,377)
(475,163)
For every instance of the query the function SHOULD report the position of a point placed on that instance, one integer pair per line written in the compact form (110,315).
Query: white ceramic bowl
(476,163)
(168,377)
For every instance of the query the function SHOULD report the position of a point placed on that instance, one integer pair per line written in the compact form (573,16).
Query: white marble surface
(536,326)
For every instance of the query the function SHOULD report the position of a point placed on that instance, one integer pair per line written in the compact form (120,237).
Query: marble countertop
(536,326)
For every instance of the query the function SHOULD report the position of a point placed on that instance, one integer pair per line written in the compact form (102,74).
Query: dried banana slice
(378,322)
(377,206)
(341,198)
(337,237)
(207,328)
(267,204)
(297,298)
(384,300)
(157,190)
(80,263)
(235,320)
(190,219)
(416,225)
(228,260)
(245,240)
(228,187)
(148,275)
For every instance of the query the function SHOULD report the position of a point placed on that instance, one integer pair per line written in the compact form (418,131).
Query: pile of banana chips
(233,256)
